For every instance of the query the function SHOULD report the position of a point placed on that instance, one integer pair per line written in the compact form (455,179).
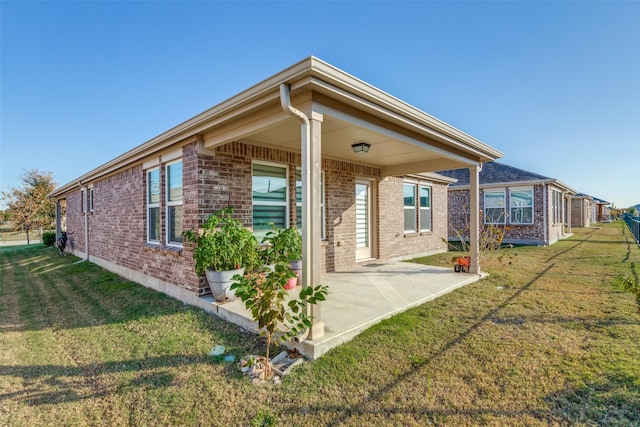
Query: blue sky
(553,85)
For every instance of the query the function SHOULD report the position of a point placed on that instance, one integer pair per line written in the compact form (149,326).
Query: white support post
(568,216)
(474,218)
(312,217)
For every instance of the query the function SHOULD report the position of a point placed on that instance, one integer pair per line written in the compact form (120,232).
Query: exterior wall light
(361,147)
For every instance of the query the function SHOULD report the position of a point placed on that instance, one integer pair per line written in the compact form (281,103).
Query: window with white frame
(521,205)
(299,202)
(90,199)
(556,206)
(153,205)
(494,207)
(425,208)
(410,215)
(270,197)
(83,201)
(175,217)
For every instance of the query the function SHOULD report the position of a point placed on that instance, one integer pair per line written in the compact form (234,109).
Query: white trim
(152,205)
(171,156)
(151,163)
(414,208)
(425,208)
(368,252)
(169,204)
(265,203)
(308,74)
(484,204)
(532,207)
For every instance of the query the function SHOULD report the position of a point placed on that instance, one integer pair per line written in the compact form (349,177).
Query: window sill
(411,234)
(164,249)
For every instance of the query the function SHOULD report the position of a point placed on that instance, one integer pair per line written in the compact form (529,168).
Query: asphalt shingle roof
(493,173)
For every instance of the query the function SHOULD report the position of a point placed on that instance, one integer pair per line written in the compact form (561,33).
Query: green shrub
(49,238)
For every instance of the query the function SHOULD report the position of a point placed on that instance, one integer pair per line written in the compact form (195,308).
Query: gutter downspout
(305,136)
(86,224)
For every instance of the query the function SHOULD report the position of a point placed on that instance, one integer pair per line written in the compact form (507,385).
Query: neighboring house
(312,145)
(532,208)
(601,210)
(586,209)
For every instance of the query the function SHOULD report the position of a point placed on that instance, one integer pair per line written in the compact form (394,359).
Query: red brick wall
(214,180)
(533,233)
(393,242)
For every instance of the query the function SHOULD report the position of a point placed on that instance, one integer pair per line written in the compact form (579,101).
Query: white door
(363,221)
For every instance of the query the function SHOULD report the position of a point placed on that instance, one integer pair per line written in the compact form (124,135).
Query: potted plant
(223,249)
(284,245)
(264,296)
(287,246)
(462,263)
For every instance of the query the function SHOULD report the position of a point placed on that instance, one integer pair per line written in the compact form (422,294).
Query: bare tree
(29,206)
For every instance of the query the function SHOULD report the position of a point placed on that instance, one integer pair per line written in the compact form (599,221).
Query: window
(521,203)
(299,202)
(410,217)
(556,201)
(153,205)
(175,215)
(425,208)
(270,197)
(90,199)
(494,207)
(83,201)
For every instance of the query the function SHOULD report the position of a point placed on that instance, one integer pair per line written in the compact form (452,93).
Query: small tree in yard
(30,206)
(631,285)
(491,235)
(264,296)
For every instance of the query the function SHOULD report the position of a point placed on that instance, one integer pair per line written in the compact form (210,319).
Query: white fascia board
(323,109)
(504,184)
(267,90)
(433,176)
(343,80)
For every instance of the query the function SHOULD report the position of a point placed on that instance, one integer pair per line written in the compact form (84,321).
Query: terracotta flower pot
(291,283)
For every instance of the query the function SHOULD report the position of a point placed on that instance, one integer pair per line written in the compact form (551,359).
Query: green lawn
(548,340)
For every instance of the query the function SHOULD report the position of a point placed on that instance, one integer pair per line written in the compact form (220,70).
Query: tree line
(29,205)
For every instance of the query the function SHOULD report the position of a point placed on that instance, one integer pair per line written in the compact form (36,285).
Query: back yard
(551,339)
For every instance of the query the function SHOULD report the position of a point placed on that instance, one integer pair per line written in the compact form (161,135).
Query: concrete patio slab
(362,297)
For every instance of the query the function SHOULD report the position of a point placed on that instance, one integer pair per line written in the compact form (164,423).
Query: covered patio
(324,113)
(360,298)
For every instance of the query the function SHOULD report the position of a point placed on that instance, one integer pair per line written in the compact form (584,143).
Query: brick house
(586,209)
(533,208)
(314,146)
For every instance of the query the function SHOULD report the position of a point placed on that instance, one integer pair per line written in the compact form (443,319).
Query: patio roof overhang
(403,139)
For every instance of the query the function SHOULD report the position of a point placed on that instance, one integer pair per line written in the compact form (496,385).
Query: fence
(634,225)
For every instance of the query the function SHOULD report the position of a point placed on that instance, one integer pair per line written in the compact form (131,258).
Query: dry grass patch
(550,340)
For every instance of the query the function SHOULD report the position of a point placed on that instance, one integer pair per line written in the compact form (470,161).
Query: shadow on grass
(614,400)
(74,383)
(569,249)
(377,395)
